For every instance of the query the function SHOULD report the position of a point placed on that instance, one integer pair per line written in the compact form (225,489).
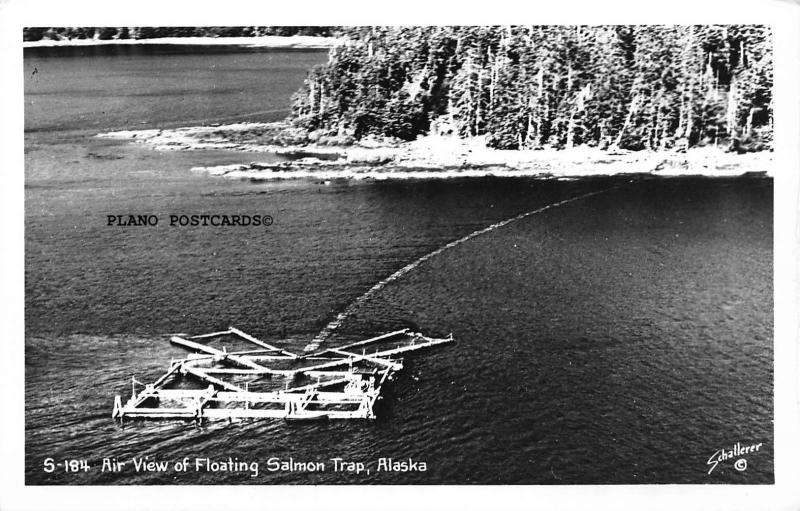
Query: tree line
(527,87)
(109,33)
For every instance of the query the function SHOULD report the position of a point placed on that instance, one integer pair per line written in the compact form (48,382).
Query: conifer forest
(527,87)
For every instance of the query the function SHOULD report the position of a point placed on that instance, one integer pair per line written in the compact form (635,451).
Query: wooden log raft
(361,377)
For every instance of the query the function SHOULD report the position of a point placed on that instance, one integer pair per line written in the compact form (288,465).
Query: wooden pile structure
(213,383)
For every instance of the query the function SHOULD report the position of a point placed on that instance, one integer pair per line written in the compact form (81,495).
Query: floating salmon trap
(269,382)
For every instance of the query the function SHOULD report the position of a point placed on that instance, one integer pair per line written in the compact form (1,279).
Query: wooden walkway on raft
(347,384)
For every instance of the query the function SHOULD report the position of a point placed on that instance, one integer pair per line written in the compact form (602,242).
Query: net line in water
(331,327)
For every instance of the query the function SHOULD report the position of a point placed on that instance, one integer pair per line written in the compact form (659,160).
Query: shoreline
(429,157)
(296,41)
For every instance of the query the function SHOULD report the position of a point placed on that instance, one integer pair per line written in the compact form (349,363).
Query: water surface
(621,338)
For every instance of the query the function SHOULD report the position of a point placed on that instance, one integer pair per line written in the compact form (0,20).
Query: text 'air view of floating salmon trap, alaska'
(217,383)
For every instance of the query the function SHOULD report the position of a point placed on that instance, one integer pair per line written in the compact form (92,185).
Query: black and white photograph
(524,254)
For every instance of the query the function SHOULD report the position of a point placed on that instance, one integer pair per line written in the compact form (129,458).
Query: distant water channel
(621,338)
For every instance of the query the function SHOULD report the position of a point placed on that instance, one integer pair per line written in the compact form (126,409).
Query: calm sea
(620,338)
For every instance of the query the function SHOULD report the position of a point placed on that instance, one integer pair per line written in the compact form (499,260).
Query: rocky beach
(316,156)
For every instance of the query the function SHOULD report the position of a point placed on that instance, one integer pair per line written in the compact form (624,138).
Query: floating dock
(270,382)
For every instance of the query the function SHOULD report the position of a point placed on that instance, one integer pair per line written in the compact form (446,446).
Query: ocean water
(624,337)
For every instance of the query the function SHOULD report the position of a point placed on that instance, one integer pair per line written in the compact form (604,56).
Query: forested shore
(534,87)
(30,34)
(654,87)
(563,101)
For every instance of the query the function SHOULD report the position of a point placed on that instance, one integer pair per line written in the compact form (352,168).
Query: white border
(783,15)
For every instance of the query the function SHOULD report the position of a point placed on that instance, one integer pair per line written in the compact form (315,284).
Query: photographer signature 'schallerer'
(737,451)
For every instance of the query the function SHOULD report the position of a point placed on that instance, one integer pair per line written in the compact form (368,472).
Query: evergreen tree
(632,87)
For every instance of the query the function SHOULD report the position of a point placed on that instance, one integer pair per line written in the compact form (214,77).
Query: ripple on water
(583,353)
